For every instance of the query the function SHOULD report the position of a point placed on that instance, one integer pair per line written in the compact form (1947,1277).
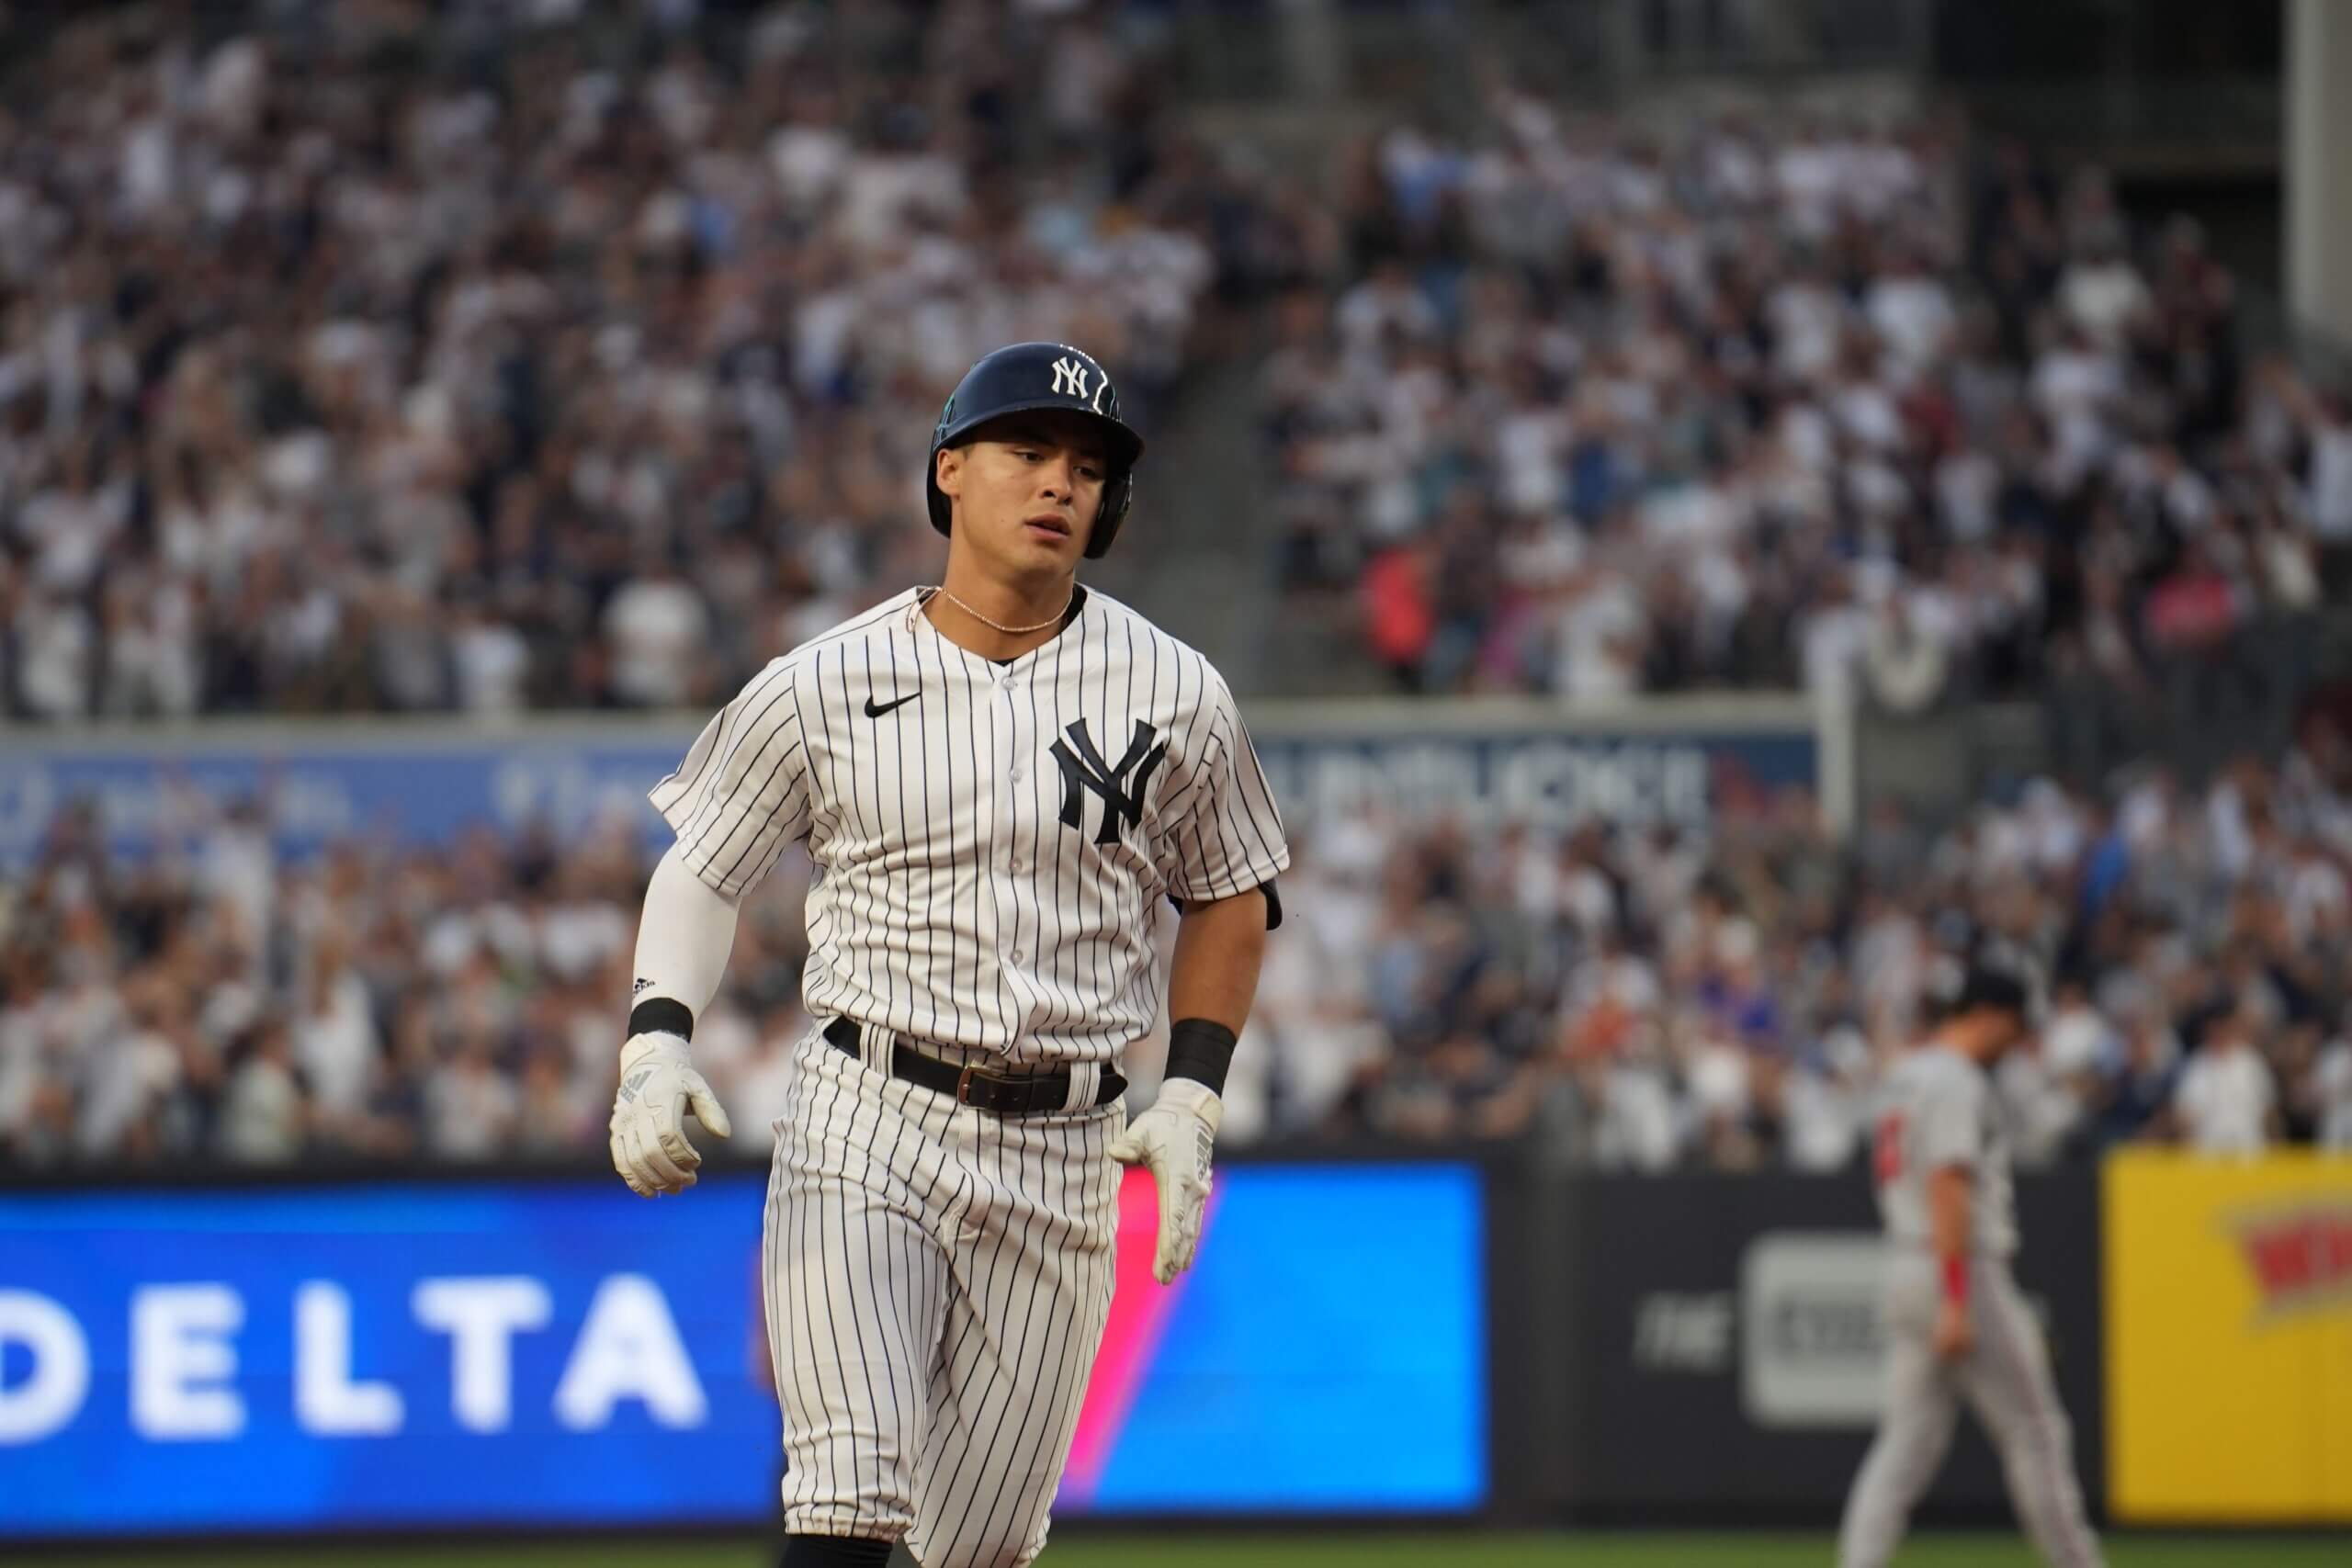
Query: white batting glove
(1173,1139)
(658,1083)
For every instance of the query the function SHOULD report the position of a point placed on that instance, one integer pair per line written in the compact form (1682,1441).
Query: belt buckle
(964,1085)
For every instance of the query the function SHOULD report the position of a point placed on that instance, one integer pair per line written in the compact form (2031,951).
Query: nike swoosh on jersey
(876,710)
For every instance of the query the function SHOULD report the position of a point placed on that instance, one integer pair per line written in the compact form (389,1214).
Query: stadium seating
(575,358)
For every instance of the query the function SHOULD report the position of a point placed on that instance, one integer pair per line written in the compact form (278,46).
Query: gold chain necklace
(1013,631)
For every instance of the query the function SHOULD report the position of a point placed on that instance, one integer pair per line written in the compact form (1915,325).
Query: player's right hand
(649,1134)
(1955,1333)
(1172,1140)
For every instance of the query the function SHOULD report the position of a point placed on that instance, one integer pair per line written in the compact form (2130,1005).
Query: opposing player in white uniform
(1957,1326)
(997,780)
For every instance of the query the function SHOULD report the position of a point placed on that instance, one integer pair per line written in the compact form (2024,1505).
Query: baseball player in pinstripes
(1957,1326)
(996,778)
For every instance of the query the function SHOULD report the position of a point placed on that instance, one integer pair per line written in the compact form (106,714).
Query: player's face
(1027,492)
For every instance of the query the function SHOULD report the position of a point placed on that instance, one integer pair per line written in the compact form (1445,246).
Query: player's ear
(948,471)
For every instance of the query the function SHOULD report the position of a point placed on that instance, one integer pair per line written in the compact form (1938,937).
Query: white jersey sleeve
(1947,1120)
(742,795)
(1939,1112)
(1227,835)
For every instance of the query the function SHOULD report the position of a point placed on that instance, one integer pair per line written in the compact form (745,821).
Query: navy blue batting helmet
(1023,379)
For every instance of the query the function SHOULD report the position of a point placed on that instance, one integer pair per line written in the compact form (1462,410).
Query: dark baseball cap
(1985,985)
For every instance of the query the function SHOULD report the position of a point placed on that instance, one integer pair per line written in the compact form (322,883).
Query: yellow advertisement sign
(2229,1337)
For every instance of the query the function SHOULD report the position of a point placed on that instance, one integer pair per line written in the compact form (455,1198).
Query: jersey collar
(919,624)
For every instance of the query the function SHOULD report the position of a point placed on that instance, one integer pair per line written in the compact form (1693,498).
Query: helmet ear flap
(934,500)
(943,516)
(1117,497)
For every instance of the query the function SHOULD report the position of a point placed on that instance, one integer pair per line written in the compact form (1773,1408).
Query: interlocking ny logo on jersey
(1083,770)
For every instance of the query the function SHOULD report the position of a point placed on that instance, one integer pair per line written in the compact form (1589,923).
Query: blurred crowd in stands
(480,356)
(448,1005)
(1649,998)
(476,356)
(1652,999)
(1804,403)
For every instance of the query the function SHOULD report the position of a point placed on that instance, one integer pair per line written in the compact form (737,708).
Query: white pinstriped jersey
(990,838)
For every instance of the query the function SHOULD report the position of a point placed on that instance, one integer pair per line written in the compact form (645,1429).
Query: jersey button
(1021,955)
(1017,774)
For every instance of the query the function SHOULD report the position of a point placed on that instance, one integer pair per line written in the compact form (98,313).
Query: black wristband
(660,1015)
(1200,1049)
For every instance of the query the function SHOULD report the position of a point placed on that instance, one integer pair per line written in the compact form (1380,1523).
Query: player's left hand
(1173,1140)
(648,1124)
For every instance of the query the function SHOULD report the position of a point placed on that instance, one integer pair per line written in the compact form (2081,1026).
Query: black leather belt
(1000,1094)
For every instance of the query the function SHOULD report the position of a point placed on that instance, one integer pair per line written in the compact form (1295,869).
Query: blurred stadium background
(1712,505)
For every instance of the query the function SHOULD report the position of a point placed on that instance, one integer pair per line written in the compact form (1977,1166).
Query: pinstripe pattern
(953,904)
(936,1279)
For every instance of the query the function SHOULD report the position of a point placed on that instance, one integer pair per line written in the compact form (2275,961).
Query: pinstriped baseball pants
(2006,1379)
(937,1281)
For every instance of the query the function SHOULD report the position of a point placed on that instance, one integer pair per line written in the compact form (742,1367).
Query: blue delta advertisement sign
(561,1355)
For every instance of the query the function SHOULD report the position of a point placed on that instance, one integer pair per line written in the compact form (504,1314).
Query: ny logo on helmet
(1070,381)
